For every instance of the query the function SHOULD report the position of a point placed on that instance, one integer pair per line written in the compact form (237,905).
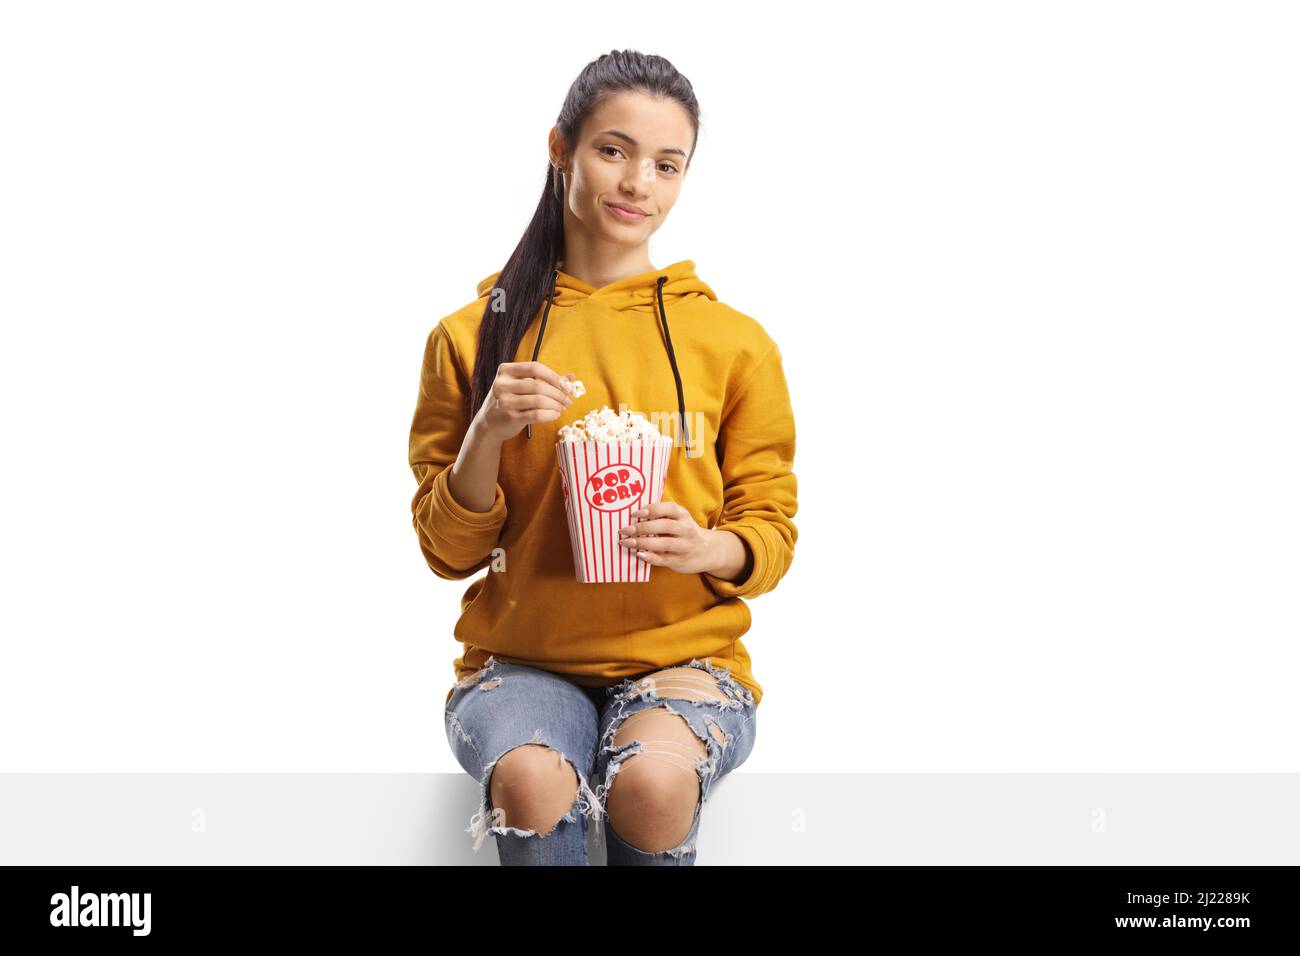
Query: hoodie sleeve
(756,451)
(457,542)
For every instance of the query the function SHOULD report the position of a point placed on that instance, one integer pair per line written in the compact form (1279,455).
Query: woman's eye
(615,152)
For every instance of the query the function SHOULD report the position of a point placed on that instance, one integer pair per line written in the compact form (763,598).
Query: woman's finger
(654,526)
(531,370)
(531,400)
(661,544)
(534,386)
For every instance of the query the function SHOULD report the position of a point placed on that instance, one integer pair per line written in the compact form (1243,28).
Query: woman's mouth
(625,213)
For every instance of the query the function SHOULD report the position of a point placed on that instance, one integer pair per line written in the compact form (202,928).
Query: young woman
(561,683)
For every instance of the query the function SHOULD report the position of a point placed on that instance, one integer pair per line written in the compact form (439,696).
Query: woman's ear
(555,146)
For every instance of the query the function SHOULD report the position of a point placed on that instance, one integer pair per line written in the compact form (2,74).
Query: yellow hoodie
(731,468)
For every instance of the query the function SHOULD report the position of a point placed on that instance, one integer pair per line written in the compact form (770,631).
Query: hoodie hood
(649,292)
(635,293)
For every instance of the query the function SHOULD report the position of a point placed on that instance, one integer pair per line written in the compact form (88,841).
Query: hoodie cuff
(472,522)
(753,542)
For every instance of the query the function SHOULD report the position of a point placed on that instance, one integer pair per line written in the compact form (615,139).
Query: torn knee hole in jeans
(489,819)
(674,752)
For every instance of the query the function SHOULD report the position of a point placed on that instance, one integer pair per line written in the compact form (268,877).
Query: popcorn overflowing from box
(610,465)
(605,424)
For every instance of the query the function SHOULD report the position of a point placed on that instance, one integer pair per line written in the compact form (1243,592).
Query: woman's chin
(624,237)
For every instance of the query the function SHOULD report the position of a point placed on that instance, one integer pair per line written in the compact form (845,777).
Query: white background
(1031,266)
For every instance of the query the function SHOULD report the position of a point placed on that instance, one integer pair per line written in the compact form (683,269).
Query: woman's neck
(599,270)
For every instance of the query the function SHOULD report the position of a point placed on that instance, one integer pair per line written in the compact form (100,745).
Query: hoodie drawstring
(672,356)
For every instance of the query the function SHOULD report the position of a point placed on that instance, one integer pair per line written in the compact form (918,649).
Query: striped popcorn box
(603,482)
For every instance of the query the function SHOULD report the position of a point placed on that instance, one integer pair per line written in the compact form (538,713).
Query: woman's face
(631,153)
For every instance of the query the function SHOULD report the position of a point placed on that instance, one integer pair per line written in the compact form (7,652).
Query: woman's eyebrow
(631,142)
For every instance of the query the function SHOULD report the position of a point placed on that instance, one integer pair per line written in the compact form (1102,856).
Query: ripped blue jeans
(505,705)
